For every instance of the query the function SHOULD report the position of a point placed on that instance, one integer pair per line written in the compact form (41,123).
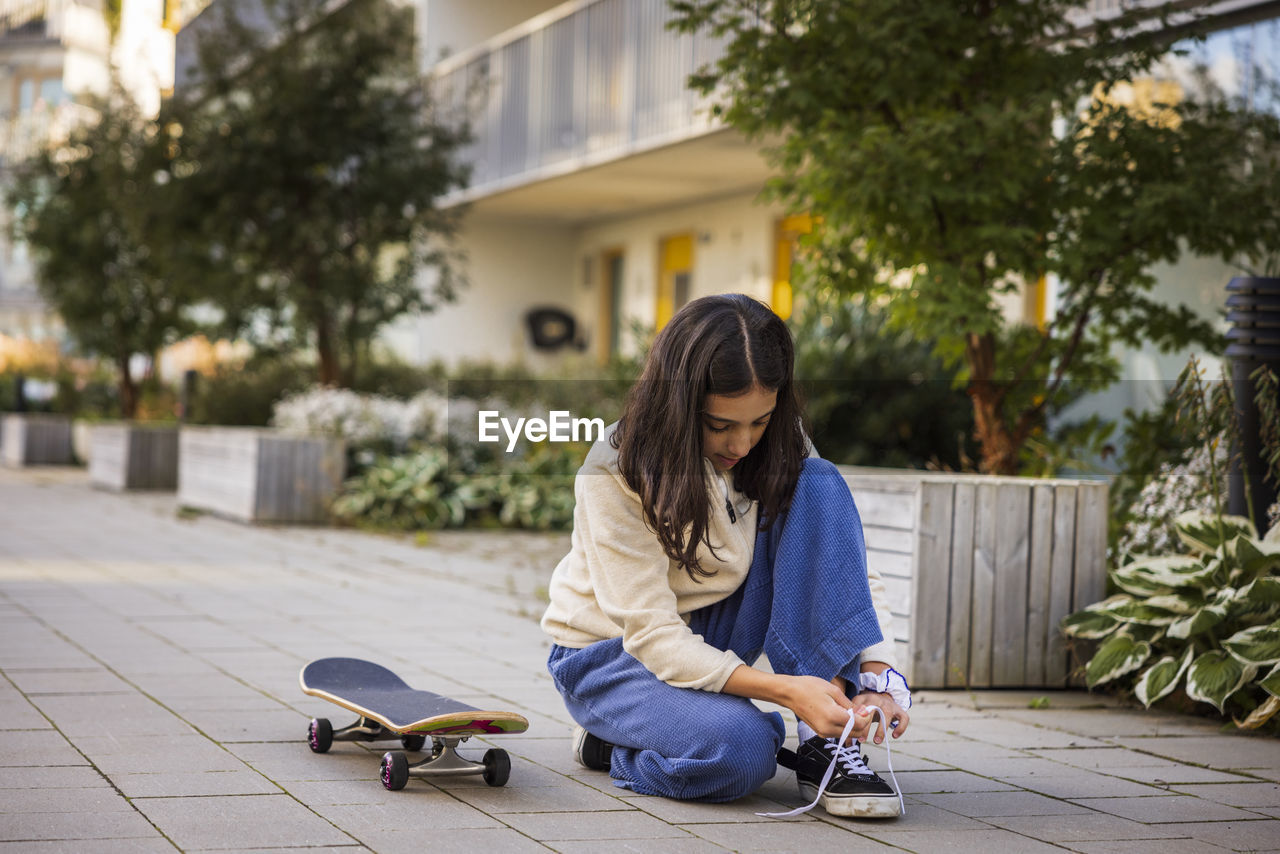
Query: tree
(956,152)
(309,165)
(86,210)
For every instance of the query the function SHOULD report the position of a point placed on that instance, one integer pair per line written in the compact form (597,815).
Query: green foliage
(955,152)
(1198,607)
(1206,621)
(875,395)
(425,490)
(88,212)
(244,395)
(308,164)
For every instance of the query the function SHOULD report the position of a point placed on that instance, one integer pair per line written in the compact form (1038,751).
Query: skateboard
(389,708)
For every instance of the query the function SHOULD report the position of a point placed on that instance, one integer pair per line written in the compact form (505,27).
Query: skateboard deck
(388,708)
(374,692)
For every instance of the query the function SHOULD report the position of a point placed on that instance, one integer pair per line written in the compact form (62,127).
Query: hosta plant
(1207,620)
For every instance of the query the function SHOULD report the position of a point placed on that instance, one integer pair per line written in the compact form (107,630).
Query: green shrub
(423,490)
(1205,619)
(244,396)
(1199,609)
(876,396)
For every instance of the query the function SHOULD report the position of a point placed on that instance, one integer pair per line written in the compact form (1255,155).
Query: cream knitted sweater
(616,580)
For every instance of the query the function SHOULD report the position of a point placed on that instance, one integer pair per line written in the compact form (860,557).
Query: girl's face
(731,426)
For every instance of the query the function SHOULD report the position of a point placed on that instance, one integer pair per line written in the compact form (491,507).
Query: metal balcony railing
(30,19)
(587,82)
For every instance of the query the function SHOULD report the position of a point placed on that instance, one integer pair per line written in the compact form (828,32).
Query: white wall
(732,252)
(515,266)
(512,267)
(452,26)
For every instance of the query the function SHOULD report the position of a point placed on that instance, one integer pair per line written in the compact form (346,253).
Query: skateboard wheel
(320,735)
(413,742)
(497,767)
(395,771)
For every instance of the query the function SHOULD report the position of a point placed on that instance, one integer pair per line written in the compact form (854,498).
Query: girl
(704,534)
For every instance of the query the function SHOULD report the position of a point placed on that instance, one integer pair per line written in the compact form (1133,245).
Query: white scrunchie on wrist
(890,682)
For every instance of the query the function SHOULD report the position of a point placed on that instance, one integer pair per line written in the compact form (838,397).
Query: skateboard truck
(321,735)
(445,761)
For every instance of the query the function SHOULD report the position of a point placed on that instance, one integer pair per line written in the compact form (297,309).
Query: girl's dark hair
(719,345)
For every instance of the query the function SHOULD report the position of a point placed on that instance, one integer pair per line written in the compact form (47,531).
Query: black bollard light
(19,393)
(1254,314)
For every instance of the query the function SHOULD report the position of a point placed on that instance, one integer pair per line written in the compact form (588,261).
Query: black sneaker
(591,752)
(855,791)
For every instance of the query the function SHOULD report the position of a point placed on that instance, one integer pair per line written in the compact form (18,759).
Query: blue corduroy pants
(805,604)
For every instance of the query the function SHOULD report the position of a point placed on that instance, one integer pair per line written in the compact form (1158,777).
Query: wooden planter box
(258,475)
(36,439)
(980,570)
(133,456)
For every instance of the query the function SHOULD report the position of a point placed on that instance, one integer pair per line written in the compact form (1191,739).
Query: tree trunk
(326,350)
(128,390)
(999,451)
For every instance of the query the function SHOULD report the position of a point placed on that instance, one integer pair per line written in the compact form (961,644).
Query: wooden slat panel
(890,563)
(960,589)
(887,508)
(986,530)
(931,571)
(1009,617)
(1061,579)
(1091,545)
(900,540)
(1038,627)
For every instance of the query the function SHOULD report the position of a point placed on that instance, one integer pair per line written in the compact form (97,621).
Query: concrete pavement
(149,701)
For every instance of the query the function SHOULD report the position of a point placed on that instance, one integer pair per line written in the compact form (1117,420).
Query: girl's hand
(824,707)
(892,712)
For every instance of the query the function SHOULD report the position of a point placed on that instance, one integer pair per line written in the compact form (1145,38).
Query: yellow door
(675,275)
(787,241)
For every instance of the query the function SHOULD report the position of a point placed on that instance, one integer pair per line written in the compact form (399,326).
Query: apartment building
(604,189)
(53,54)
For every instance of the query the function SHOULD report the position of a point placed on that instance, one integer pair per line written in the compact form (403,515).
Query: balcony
(584,85)
(30,20)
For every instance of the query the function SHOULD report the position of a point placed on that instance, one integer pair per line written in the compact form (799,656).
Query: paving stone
(571,797)
(457,841)
(627,824)
(155,845)
(1076,783)
(86,827)
(37,748)
(1107,758)
(194,784)
(415,810)
(965,841)
(1068,829)
(978,804)
(1154,846)
(1165,809)
(689,812)
(918,816)
(53,777)
(17,714)
(1214,751)
(107,714)
(261,821)
(1236,794)
(1173,773)
(949,781)
(96,799)
(294,762)
(1259,835)
(94,681)
(641,846)
(786,835)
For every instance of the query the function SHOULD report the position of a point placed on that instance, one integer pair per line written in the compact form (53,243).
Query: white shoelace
(851,756)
